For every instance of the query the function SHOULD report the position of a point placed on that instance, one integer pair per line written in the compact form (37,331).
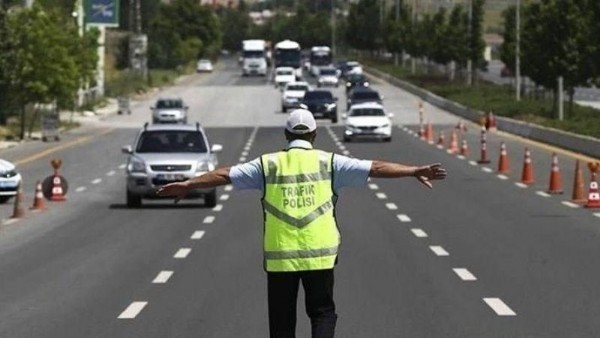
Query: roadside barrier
(593,200)
(578,185)
(18,211)
(503,164)
(527,173)
(38,201)
(483,159)
(555,186)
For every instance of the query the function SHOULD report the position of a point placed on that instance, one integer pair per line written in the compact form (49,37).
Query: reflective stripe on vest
(300,229)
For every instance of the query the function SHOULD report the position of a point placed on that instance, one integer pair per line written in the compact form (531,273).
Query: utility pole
(333,27)
(138,42)
(413,62)
(397,18)
(518,52)
(470,47)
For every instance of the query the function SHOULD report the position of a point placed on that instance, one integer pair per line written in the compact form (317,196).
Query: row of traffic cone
(39,203)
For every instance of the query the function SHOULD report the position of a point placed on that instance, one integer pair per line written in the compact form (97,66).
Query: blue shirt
(347,172)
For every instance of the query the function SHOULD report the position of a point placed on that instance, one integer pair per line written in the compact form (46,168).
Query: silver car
(169,110)
(169,153)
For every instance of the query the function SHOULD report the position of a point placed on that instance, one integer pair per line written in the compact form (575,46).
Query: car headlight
(136,165)
(204,166)
(348,84)
(366,84)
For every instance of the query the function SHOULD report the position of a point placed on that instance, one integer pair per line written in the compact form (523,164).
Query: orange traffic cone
(464,148)
(527,174)
(453,148)
(58,193)
(38,200)
(461,126)
(593,200)
(18,211)
(441,139)
(490,122)
(483,159)
(578,185)
(503,165)
(429,133)
(555,178)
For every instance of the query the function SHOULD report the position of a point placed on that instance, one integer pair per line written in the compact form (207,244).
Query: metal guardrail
(586,145)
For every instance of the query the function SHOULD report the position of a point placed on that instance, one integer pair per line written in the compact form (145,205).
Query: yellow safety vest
(300,230)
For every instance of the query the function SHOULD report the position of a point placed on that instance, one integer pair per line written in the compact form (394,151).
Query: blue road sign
(102,13)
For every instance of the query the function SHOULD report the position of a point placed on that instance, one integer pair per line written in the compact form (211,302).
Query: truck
(254,58)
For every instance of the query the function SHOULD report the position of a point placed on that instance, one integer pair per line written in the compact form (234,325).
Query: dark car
(363,95)
(355,80)
(321,103)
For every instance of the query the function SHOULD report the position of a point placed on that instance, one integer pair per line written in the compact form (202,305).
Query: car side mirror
(303,106)
(382,97)
(216,148)
(127,149)
(344,116)
(390,115)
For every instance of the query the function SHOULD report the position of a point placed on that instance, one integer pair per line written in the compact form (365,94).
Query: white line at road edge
(198,234)
(570,204)
(391,206)
(464,274)
(499,307)
(439,251)
(403,218)
(133,310)
(209,219)
(182,253)
(162,277)
(218,207)
(419,233)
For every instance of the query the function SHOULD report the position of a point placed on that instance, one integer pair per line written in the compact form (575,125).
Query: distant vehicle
(367,120)
(292,95)
(283,75)
(204,66)
(320,56)
(169,110)
(341,65)
(321,103)
(328,76)
(10,180)
(254,57)
(355,80)
(352,67)
(363,95)
(287,54)
(169,153)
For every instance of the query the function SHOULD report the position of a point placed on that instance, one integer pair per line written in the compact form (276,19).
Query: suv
(321,103)
(169,110)
(362,95)
(354,81)
(169,153)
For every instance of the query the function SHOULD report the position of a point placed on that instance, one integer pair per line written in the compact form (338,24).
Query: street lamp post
(333,27)
(470,61)
(518,52)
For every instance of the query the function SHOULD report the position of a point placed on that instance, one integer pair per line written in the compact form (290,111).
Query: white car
(367,120)
(328,77)
(169,110)
(204,65)
(283,75)
(354,68)
(292,95)
(10,180)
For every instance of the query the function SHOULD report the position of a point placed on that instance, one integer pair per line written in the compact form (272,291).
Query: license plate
(170,177)
(8,184)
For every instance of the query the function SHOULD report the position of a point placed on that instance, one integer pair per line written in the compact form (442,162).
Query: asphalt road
(477,256)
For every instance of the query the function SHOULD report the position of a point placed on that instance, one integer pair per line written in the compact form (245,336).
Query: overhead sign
(102,13)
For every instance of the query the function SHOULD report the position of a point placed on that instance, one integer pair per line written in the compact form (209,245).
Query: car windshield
(166,104)
(356,77)
(205,62)
(318,95)
(365,95)
(367,112)
(297,87)
(284,72)
(171,141)
(327,72)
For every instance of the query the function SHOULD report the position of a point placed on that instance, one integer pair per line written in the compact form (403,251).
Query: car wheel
(283,109)
(347,139)
(155,121)
(210,199)
(387,139)
(334,119)
(133,201)
(4,199)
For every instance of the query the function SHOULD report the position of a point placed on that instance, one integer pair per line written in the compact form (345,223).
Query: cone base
(58,198)
(484,161)
(555,192)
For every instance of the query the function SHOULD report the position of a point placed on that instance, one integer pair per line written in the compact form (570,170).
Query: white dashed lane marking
(439,251)
(542,193)
(80,189)
(182,253)
(209,219)
(346,152)
(218,207)
(486,169)
(502,177)
(96,181)
(403,218)
(473,163)
(224,197)
(597,214)
(162,277)
(373,186)
(197,234)
(391,206)
(133,310)
(244,153)
(464,274)
(499,307)
(242,159)
(111,173)
(228,187)
(460,157)
(419,233)
(570,204)
(521,185)
(381,195)
(342,147)
(122,166)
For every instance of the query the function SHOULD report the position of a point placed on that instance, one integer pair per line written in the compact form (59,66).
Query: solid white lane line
(132,310)
(597,214)
(228,187)
(373,186)
(111,173)
(486,169)
(542,193)
(224,197)
(162,277)
(80,189)
(521,185)
(96,181)
(419,233)
(438,250)
(499,307)
(182,253)
(464,274)
(502,177)
(381,195)
(346,152)
(197,234)
(403,218)
(570,204)
(218,207)
(391,206)
(208,219)
(122,166)
(473,163)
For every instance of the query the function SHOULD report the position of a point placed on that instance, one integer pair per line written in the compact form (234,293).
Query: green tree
(457,36)
(508,48)
(363,26)
(476,44)
(236,26)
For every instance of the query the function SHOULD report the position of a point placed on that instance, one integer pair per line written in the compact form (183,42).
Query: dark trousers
(320,308)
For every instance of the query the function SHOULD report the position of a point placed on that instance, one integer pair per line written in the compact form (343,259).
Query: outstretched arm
(211,179)
(424,173)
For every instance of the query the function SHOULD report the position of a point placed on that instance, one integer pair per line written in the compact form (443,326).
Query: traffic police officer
(301,239)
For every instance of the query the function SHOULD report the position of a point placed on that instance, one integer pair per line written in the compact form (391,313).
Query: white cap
(301,121)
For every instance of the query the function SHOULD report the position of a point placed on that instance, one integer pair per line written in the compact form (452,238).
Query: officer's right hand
(177,190)
(430,172)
